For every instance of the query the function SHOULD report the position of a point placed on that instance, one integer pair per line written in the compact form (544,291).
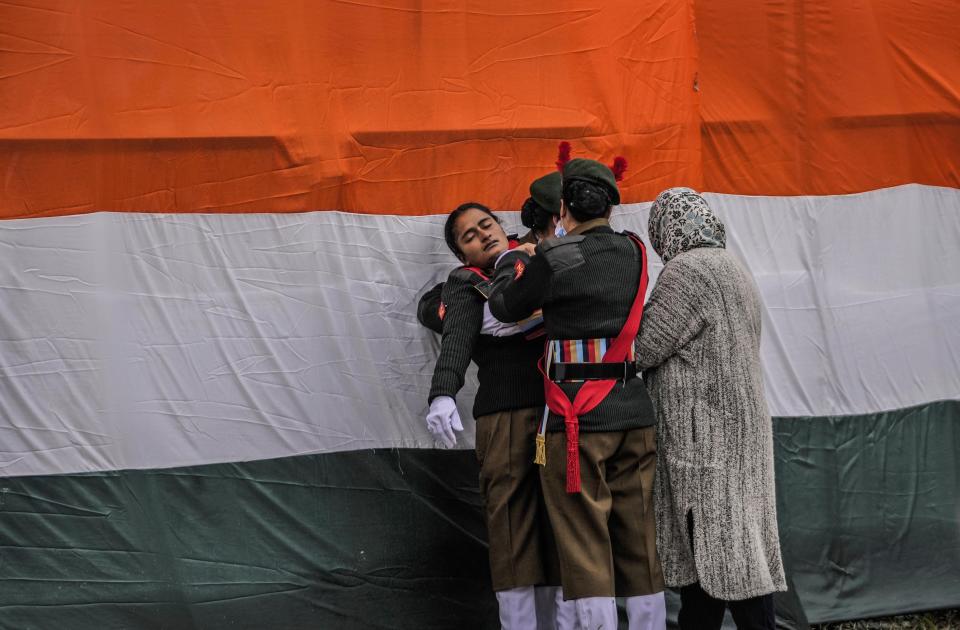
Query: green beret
(594,172)
(546,190)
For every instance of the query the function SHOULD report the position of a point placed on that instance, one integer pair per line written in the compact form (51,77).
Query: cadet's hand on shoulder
(529,248)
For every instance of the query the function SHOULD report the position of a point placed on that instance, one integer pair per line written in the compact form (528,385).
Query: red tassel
(619,167)
(573,456)
(563,155)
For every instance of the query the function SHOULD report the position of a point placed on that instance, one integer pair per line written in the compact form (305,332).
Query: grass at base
(940,620)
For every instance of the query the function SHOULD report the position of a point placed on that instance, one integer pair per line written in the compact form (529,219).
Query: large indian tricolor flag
(217,218)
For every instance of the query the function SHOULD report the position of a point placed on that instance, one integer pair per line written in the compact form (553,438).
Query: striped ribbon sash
(583,350)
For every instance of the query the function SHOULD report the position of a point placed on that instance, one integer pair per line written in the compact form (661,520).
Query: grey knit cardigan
(700,334)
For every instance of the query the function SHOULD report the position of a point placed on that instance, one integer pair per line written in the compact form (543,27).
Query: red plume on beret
(619,167)
(563,155)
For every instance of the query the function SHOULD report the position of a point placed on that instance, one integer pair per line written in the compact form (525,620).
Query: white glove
(443,419)
(494,327)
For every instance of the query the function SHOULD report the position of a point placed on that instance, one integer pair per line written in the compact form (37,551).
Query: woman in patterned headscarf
(700,344)
(680,220)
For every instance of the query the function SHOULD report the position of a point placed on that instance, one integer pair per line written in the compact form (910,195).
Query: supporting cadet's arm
(520,283)
(673,316)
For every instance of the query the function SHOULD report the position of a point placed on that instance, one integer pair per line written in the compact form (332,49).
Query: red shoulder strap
(592,393)
(620,347)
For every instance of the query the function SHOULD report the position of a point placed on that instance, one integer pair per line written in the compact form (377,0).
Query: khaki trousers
(522,548)
(605,535)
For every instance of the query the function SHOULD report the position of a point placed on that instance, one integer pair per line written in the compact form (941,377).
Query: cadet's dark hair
(585,200)
(534,216)
(452,221)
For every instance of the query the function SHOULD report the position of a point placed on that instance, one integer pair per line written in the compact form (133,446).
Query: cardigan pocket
(706,424)
(693,425)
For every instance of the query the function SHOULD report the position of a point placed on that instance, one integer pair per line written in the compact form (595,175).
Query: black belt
(624,371)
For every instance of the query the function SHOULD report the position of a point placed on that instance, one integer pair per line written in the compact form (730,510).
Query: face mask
(559,231)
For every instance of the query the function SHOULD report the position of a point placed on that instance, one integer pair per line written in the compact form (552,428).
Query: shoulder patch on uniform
(518,269)
(564,253)
(552,243)
(442,311)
